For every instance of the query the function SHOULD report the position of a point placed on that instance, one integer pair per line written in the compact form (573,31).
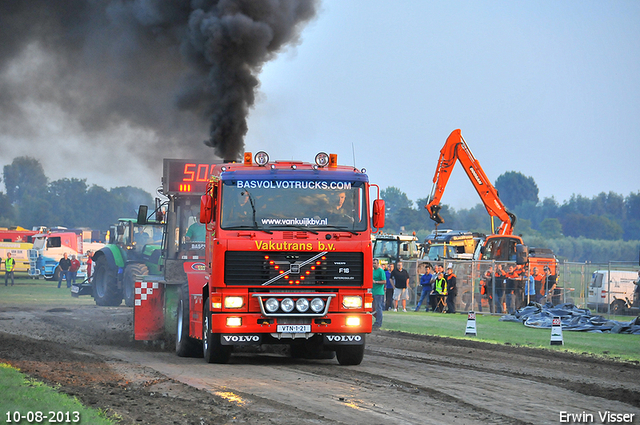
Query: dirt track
(403,379)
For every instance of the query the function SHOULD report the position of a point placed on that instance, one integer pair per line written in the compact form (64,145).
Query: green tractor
(132,250)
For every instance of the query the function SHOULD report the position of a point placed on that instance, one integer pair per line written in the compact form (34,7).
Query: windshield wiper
(305,229)
(248,227)
(345,228)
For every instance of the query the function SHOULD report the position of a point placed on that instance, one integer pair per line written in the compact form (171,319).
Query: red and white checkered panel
(143,290)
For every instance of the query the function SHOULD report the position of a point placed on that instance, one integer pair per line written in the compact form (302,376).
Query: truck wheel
(105,285)
(56,274)
(185,345)
(618,307)
(350,355)
(129,280)
(214,351)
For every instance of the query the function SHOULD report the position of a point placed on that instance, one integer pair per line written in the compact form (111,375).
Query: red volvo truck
(282,256)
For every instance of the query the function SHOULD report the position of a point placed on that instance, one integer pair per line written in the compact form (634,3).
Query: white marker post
(471,324)
(556,331)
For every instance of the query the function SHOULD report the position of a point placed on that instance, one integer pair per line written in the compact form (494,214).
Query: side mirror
(142,214)
(206,209)
(378,213)
(522,254)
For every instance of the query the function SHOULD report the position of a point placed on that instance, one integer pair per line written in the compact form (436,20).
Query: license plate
(293,329)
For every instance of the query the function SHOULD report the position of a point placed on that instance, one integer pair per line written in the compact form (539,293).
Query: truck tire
(129,279)
(214,351)
(618,307)
(105,285)
(350,355)
(56,274)
(185,345)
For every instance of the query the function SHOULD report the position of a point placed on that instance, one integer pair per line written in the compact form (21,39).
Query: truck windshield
(385,249)
(300,205)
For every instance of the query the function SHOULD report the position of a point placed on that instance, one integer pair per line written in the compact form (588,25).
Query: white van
(621,287)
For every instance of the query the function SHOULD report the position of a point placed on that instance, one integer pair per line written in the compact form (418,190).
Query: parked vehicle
(615,290)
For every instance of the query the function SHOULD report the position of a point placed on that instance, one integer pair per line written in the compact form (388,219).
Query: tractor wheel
(350,355)
(129,280)
(105,285)
(214,351)
(185,345)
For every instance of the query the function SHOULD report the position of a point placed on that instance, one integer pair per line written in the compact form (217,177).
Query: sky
(546,88)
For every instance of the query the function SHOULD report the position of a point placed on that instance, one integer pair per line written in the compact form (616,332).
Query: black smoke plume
(171,66)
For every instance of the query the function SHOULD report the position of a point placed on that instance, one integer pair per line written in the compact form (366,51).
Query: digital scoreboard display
(187,176)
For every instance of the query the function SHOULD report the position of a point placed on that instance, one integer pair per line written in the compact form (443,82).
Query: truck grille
(330,270)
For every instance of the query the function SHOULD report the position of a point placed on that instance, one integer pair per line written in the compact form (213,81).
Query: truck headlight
(287,305)
(317,305)
(352,301)
(233,302)
(302,305)
(271,305)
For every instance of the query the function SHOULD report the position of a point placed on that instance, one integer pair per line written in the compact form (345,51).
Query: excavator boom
(456,149)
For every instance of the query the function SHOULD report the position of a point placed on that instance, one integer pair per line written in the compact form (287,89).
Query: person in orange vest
(9,266)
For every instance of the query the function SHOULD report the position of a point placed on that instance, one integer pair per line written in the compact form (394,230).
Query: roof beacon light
(247,158)
(322,159)
(262,158)
(333,160)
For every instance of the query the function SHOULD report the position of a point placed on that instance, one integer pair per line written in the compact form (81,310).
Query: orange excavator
(456,149)
(502,245)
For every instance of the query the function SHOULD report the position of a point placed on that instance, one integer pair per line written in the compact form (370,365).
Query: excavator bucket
(434,214)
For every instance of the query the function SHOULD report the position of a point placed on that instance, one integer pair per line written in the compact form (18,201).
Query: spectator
(530,288)
(9,267)
(64,264)
(89,265)
(425,283)
(73,269)
(379,280)
(440,290)
(538,278)
(520,279)
(401,283)
(389,288)
(509,288)
(499,280)
(486,291)
(636,292)
(452,290)
(552,292)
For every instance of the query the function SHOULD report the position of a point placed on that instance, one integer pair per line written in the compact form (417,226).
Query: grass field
(490,329)
(24,400)
(38,292)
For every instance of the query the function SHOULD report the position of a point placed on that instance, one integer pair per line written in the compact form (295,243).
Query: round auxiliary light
(302,305)
(363,171)
(287,305)
(322,159)
(317,305)
(262,158)
(271,305)
(294,167)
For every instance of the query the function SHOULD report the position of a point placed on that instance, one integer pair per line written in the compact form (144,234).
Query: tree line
(603,228)
(32,200)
